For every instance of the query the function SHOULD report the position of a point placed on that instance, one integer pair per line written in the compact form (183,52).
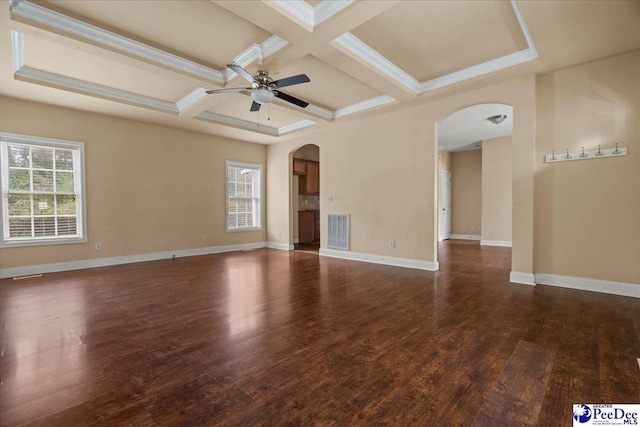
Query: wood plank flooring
(277,338)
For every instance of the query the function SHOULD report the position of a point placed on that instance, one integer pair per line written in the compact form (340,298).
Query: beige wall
(149,188)
(496,189)
(587,214)
(367,186)
(466,192)
(444,164)
(391,191)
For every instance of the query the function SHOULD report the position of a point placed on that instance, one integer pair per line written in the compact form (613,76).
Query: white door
(445,205)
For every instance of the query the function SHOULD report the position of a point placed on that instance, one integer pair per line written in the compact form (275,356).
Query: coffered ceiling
(153,60)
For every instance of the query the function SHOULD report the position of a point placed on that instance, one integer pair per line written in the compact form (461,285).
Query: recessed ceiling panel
(428,39)
(197,30)
(237,105)
(329,87)
(60,59)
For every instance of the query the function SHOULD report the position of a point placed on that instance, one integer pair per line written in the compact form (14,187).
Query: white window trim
(226,196)
(4,185)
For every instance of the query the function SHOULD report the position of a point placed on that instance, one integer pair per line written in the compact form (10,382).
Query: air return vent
(338,232)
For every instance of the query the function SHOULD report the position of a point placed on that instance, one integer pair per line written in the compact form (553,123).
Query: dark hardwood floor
(275,338)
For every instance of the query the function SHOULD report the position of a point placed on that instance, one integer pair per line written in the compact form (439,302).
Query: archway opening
(305,198)
(474,181)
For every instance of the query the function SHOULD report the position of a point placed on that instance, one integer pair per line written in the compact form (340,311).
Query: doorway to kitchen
(306,198)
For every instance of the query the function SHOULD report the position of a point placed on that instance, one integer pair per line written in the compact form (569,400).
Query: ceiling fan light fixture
(497,119)
(262,96)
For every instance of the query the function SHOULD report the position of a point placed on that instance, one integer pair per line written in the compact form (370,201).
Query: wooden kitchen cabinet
(299,167)
(309,227)
(305,226)
(316,227)
(309,176)
(312,178)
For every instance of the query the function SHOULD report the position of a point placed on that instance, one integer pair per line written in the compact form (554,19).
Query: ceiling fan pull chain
(269,112)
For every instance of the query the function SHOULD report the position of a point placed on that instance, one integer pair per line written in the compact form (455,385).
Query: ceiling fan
(264,88)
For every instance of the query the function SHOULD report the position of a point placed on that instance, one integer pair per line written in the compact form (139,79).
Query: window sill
(240,230)
(40,242)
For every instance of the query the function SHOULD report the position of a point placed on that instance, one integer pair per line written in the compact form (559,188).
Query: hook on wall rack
(584,155)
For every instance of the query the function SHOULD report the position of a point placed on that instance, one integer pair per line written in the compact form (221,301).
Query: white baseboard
(128,259)
(381,259)
(593,285)
(280,246)
(522,278)
(464,237)
(504,243)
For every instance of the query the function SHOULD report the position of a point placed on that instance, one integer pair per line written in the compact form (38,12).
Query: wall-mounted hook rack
(584,155)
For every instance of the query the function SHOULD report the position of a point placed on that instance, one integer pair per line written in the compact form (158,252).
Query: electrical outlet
(204,237)
(98,246)
(392,244)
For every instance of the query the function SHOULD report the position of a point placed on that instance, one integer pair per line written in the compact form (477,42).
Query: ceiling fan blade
(255,106)
(291,99)
(228,89)
(293,80)
(242,72)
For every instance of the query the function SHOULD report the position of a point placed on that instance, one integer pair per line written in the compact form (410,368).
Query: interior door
(445,205)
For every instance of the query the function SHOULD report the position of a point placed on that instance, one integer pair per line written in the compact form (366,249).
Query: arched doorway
(474,179)
(305,198)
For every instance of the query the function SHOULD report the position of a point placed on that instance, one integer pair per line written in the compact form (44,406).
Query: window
(43,200)
(244,201)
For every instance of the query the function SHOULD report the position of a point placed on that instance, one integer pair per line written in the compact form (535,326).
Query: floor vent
(338,232)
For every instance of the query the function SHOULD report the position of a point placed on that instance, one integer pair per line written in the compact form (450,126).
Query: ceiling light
(494,119)
(262,95)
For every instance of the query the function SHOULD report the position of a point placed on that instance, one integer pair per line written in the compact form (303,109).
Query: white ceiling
(465,129)
(152,60)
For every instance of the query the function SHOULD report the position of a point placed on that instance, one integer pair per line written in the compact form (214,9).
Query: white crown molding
(308,15)
(68,83)
(502,243)
(250,54)
(247,125)
(272,45)
(75,27)
(522,278)
(17,50)
(524,28)
(314,110)
(478,70)
(280,246)
(62,82)
(237,123)
(328,8)
(356,47)
(255,52)
(104,262)
(465,236)
(381,259)
(587,284)
(364,105)
(295,126)
(351,44)
(190,99)
(300,10)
